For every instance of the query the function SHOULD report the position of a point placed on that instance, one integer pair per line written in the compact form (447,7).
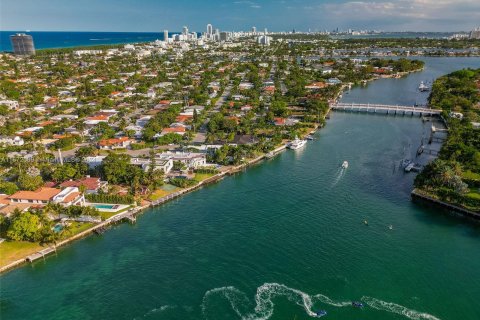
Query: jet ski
(321,313)
(357,304)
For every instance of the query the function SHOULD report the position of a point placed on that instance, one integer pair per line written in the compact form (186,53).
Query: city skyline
(277,15)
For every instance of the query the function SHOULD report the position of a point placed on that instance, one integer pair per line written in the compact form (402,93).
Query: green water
(278,241)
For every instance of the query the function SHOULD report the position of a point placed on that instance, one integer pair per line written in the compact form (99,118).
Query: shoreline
(418,194)
(133,212)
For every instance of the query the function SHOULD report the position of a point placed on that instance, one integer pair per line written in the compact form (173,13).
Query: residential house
(66,197)
(189,159)
(115,143)
(91,184)
(11,141)
(178,130)
(165,165)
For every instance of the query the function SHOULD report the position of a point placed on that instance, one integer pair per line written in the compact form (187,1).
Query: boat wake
(338,176)
(155,311)
(398,309)
(263,306)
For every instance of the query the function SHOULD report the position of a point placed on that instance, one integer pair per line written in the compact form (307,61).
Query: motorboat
(345,164)
(423,87)
(309,137)
(409,167)
(357,304)
(320,313)
(296,144)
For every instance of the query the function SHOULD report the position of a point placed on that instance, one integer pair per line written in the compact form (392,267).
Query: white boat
(309,137)
(409,167)
(345,164)
(296,144)
(423,87)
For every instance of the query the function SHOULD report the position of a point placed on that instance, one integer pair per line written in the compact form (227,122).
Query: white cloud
(408,12)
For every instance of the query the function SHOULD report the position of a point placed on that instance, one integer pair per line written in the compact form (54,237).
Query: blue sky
(277,15)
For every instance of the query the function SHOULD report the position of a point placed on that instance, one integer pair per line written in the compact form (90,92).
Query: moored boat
(423,87)
(296,144)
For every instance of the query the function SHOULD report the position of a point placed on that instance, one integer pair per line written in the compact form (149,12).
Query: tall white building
(209,29)
(165,35)
(264,40)
(185,30)
(254,30)
(475,33)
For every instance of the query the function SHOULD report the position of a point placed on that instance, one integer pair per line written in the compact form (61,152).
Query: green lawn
(77,227)
(164,190)
(202,176)
(11,251)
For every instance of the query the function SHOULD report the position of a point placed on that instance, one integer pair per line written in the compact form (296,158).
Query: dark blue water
(45,40)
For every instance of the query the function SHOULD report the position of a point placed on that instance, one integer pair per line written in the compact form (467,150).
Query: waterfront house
(189,159)
(165,165)
(66,197)
(316,86)
(91,184)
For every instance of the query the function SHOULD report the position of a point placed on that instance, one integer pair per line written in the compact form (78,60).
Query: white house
(11,141)
(189,159)
(11,104)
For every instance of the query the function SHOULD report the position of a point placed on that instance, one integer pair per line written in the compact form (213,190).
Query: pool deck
(120,207)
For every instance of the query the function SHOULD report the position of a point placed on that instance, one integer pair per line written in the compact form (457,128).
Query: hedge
(110,198)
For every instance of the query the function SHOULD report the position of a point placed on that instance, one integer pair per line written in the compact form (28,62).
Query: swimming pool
(58,227)
(105,206)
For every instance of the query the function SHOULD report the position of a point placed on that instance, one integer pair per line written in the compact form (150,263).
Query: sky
(233,15)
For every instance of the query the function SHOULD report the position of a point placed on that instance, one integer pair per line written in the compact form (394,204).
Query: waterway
(279,241)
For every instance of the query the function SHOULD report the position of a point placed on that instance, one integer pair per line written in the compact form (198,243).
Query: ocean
(47,40)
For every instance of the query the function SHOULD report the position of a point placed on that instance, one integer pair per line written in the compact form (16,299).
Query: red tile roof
(42,194)
(88,183)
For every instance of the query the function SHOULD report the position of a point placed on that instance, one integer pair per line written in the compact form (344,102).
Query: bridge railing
(382,106)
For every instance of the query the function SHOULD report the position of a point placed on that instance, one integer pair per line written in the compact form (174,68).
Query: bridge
(385,108)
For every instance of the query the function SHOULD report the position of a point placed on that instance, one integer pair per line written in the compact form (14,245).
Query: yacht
(345,164)
(423,87)
(296,144)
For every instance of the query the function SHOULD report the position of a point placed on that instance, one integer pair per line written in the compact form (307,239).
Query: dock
(41,254)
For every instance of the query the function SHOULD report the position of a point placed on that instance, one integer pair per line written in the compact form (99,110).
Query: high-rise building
(224,36)
(165,35)
(22,44)
(266,31)
(254,30)
(475,33)
(185,30)
(209,29)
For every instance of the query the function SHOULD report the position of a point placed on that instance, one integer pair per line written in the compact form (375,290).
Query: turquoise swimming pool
(106,206)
